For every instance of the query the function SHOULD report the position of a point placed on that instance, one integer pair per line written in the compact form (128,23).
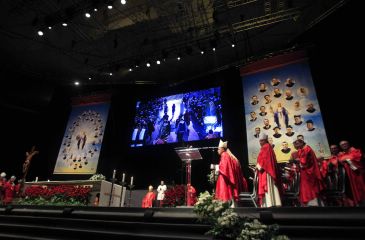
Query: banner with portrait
(82,141)
(280,101)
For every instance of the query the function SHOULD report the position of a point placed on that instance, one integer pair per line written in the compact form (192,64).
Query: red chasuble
(310,175)
(191,198)
(355,177)
(230,179)
(148,200)
(267,161)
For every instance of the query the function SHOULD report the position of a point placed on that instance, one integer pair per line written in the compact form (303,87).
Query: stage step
(25,222)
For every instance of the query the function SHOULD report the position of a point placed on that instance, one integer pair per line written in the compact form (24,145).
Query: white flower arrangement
(97,177)
(226,224)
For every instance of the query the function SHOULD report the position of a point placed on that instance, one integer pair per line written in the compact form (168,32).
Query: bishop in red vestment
(269,184)
(148,199)
(310,175)
(230,178)
(350,158)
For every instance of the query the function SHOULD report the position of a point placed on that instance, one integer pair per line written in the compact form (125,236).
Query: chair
(336,187)
(247,199)
(291,194)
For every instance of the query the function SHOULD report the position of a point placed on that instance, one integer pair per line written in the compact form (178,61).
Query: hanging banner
(280,101)
(82,141)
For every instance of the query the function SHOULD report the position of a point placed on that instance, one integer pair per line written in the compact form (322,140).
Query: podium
(187,155)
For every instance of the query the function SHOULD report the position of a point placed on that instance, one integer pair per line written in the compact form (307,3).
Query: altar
(100,193)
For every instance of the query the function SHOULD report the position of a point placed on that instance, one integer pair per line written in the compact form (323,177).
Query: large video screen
(177,118)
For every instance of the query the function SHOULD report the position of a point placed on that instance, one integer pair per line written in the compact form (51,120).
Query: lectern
(187,155)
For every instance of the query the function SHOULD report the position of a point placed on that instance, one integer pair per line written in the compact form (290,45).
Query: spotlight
(130,69)
(178,58)
(148,64)
(158,62)
(110,74)
(64,24)
(110,7)
(88,15)
(202,52)
(40,33)
(123,2)
(95,9)
(89,78)
(49,27)
(233,45)
(76,83)
(213,49)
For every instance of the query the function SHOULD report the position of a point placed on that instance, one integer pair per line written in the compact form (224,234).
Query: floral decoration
(56,195)
(174,196)
(97,177)
(226,224)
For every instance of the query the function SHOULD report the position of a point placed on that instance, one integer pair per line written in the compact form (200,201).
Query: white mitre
(222,144)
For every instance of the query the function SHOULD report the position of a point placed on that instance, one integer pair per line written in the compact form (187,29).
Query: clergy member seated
(147,201)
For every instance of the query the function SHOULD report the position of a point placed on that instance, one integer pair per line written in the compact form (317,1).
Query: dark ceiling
(141,31)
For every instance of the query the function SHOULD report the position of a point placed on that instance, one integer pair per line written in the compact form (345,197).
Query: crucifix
(28,158)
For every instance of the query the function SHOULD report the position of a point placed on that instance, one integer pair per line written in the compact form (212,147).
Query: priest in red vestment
(147,201)
(10,190)
(269,184)
(191,195)
(350,158)
(230,178)
(310,175)
(330,165)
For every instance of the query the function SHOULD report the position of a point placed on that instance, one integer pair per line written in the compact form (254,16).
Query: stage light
(148,64)
(130,69)
(64,24)
(233,45)
(40,33)
(201,52)
(49,27)
(89,78)
(123,2)
(88,15)
(213,49)
(110,74)
(76,83)
(178,58)
(158,62)
(110,7)
(95,9)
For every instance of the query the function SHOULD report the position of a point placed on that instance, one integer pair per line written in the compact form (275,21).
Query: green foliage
(226,224)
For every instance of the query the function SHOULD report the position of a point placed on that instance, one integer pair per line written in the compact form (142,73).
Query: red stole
(356,178)
(230,179)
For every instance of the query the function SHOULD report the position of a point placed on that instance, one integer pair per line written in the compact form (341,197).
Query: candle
(123,178)
(36,179)
(132,180)
(212,166)
(114,173)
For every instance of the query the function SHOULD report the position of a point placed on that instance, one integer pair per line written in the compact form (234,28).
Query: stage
(48,222)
